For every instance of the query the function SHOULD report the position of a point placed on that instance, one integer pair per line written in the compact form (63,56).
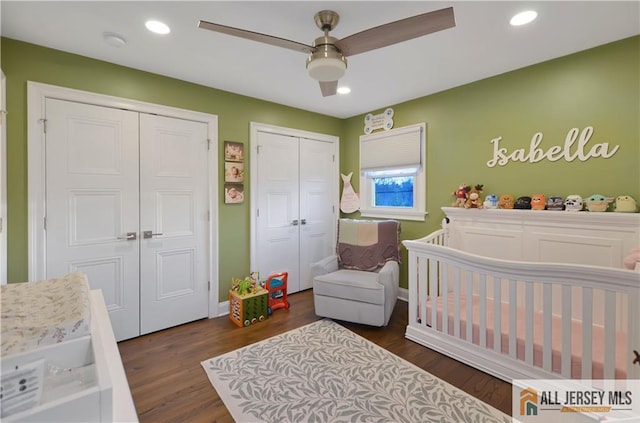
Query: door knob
(130,236)
(149,234)
(303,221)
(295,222)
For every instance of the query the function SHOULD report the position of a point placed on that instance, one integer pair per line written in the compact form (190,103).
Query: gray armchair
(360,283)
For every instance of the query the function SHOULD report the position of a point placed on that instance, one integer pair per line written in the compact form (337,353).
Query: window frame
(418,211)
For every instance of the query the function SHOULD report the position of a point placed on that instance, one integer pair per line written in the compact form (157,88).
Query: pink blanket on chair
(598,339)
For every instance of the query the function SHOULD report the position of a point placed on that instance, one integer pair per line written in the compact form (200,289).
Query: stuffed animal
(538,202)
(490,202)
(555,203)
(573,203)
(625,204)
(598,203)
(474,201)
(507,201)
(523,203)
(461,194)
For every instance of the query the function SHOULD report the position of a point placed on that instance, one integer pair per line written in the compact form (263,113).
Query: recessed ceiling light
(157,27)
(523,18)
(113,39)
(344,90)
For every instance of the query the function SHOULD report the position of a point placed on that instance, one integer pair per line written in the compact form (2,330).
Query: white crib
(516,318)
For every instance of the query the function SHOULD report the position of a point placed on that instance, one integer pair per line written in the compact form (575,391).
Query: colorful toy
(523,203)
(632,260)
(598,203)
(538,202)
(276,285)
(625,204)
(507,201)
(573,203)
(490,202)
(555,203)
(461,194)
(474,201)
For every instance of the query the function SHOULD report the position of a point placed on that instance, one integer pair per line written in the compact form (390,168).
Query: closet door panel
(173,221)
(92,203)
(278,220)
(317,210)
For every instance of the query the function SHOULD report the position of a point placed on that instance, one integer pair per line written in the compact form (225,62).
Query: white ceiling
(481,45)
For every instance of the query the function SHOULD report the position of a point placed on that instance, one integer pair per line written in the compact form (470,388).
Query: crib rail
(519,320)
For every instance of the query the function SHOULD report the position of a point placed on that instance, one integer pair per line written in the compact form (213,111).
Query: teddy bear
(474,201)
(491,201)
(597,203)
(573,203)
(461,194)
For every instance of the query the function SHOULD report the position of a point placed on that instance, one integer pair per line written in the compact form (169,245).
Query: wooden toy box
(248,309)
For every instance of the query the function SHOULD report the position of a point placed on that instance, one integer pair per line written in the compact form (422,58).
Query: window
(392,174)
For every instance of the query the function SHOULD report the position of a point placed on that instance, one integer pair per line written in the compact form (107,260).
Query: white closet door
(317,205)
(92,203)
(277,221)
(174,215)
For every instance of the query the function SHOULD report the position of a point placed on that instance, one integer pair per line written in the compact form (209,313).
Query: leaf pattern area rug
(323,372)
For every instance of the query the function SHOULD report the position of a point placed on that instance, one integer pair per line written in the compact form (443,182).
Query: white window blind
(398,148)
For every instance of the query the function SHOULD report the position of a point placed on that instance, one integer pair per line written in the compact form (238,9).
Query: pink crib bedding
(598,339)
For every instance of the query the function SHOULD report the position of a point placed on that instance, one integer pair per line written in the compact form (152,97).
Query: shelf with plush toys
(597,230)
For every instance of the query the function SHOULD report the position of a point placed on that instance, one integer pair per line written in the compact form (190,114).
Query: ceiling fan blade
(256,36)
(396,32)
(328,88)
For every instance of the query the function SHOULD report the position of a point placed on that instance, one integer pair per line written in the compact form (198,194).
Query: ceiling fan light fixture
(326,63)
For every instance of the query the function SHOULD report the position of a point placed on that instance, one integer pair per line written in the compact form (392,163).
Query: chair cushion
(353,285)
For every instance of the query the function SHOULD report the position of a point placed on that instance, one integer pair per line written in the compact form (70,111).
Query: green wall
(598,87)
(22,62)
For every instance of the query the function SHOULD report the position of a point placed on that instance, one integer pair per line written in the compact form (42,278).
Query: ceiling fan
(327,56)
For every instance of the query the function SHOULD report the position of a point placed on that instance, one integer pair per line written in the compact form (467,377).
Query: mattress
(35,314)
(598,336)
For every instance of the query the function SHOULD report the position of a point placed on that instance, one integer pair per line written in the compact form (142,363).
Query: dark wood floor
(168,383)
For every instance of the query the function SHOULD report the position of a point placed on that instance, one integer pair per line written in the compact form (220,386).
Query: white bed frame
(536,256)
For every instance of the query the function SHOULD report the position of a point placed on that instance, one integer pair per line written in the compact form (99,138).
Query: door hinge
(0,225)
(333,158)
(258,149)
(208,285)
(257,212)
(208,144)
(45,223)
(44,124)
(208,215)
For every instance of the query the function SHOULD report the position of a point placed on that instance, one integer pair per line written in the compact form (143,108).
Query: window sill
(394,214)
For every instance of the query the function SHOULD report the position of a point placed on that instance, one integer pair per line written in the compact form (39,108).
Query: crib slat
(433,292)
(528,309)
(444,291)
(513,322)
(497,316)
(423,286)
(412,267)
(566,331)
(609,334)
(456,302)
(547,307)
(469,306)
(483,310)
(587,325)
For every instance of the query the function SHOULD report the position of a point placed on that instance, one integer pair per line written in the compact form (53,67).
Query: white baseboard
(223,307)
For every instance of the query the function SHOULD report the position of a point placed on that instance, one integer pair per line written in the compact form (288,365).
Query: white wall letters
(568,152)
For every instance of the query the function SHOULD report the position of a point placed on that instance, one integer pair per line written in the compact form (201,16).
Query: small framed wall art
(233,151)
(233,193)
(234,172)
